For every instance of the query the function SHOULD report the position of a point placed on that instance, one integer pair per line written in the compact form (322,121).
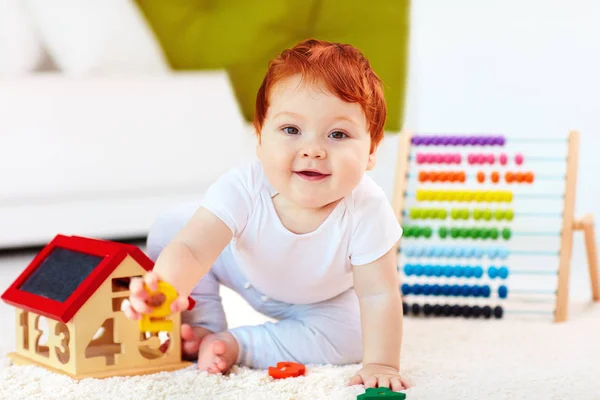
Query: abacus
(479,217)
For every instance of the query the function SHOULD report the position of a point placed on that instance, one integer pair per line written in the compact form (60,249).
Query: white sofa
(103,156)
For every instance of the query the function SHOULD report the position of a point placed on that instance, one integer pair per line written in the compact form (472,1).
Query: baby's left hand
(378,375)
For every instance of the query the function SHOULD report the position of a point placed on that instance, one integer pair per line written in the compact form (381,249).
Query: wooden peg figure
(160,301)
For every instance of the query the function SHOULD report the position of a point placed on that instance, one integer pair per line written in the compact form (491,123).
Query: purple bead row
(458,140)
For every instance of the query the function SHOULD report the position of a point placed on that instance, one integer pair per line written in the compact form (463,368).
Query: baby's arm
(377,287)
(183,262)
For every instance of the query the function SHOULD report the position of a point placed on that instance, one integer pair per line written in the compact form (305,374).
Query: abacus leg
(592,254)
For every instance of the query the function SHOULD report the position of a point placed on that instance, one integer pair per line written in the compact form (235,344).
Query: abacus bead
(405,289)
(492,272)
(446,310)
(448,158)
(439,158)
(457,271)
(503,272)
(509,214)
(427,289)
(454,232)
(420,158)
(405,308)
(455,213)
(442,213)
(503,253)
(506,233)
(408,269)
(416,309)
(476,233)
(503,159)
(463,232)
(519,159)
(480,158)
(466,311)
(436,290)
(501,140)
(475,291)
(479,252)
(456,290)
(449,252)
(499,214)
(494,233)
(477,311)
(467,272)
(487,214)
(480,177)
(448,271)
(437,270)
(446,290)
(487,311)
(427,270)
(456,310)
(418,270)
(426,141)
(429,158)
(430,252)
(437,309)
(471,159)
(443,232)
(495,177)
(457,158)
(417,289)
(427,232)
(477,214)
(498,312)
(427,309)
(439,252)
(469,252)
(416,140)
(465,290)
(529,177)
(509,177)
(464,214)
(420,252)
(491,159)
(502,292)
(486,291)
(478,272)
(492,252)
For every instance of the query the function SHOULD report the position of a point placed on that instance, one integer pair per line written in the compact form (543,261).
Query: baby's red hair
(344,71)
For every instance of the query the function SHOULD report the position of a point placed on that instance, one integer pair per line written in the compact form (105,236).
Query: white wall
(518,68)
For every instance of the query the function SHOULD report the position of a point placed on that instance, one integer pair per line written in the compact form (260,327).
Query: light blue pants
(328,332)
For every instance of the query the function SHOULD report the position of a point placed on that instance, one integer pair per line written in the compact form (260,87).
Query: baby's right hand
(138,297)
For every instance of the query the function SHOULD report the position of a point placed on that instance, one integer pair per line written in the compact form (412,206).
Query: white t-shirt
(301,268)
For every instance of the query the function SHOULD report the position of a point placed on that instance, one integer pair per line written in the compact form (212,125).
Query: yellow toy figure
(160,301)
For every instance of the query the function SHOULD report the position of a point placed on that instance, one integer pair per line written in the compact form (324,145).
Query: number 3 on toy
(287,370)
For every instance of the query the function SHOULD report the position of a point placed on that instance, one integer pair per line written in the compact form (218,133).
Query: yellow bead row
(465,195)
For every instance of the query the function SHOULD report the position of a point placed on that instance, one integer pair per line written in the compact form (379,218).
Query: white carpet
(445,358)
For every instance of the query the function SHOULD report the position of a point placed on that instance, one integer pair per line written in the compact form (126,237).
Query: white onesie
(301,268)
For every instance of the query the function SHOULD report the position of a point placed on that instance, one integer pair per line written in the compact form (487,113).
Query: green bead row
(461,213)
(474,233)
(417,231)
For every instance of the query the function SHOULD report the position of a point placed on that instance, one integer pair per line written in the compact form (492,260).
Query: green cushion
(241,36)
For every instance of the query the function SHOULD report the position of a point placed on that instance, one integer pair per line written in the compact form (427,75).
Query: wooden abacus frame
(569,223)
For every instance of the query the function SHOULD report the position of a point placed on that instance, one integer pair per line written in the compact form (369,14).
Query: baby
(302,234)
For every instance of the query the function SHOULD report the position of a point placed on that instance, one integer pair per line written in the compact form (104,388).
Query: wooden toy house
(78,284)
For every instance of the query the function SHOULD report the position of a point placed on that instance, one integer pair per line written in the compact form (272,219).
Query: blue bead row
(446,290)
(466,252)
(454,270)
(452,290)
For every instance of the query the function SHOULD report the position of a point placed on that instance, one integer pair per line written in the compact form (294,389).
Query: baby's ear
(372,159)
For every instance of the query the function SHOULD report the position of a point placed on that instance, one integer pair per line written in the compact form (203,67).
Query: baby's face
(315,148)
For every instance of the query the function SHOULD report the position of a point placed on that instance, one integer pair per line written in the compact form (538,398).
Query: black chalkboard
(60,273)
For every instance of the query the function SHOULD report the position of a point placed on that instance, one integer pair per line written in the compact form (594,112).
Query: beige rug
(445,358)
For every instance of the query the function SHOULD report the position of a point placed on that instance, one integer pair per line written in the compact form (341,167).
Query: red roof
(105,256)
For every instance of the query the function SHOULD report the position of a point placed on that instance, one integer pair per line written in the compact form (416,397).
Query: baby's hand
(141,302)
(378,375)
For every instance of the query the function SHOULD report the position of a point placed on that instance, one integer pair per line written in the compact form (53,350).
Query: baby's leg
(324,333)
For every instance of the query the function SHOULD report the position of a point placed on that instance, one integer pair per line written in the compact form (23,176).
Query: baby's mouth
(311,175)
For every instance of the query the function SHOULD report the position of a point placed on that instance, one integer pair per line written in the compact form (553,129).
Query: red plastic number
(287,370)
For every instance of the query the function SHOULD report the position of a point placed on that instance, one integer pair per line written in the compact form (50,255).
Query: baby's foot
(217,353)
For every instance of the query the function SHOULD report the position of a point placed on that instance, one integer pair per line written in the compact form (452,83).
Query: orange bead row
(509,177)
(442,176)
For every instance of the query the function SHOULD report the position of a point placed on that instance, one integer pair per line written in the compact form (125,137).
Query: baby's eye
(337,135)
(290,130)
